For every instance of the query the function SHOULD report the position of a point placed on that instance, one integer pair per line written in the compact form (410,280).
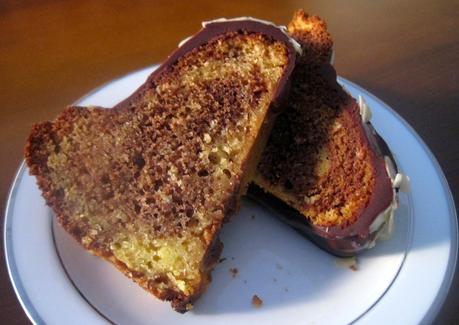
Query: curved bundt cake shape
(147,185)
(325,168)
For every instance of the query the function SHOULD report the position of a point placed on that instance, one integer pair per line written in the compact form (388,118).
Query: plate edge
(445,286)
(13,274)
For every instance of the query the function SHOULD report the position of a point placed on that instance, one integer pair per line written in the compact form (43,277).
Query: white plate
(404,280)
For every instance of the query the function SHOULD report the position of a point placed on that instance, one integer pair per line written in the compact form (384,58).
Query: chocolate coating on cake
(325,167)
(342,242)
(381,197)
(351,239)
(212,30)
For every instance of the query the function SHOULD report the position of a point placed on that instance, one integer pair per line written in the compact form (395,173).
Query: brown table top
(53,52)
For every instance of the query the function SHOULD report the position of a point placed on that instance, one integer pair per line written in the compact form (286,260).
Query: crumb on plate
(234,271)
(256,301)
(349,262)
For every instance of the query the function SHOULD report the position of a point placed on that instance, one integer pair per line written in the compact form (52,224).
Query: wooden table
(53,52)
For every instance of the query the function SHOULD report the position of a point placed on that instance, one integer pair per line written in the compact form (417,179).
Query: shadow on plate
(283,268)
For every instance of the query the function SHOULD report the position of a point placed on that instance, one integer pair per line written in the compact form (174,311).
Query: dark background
(53,52)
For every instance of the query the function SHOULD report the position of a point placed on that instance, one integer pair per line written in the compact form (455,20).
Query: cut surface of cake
(324,167)
(147,184)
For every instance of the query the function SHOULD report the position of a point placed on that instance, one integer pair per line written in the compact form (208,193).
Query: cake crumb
(349,262)
(278,266)
(286,289)
(256,301)
(245,281)
(234,271)
(222,260)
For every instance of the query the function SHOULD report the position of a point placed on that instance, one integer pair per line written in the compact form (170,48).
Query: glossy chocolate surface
(332,241)
(212,30)
(350,240)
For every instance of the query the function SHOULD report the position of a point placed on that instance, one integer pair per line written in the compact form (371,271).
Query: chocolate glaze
(381,197)
(354,238)
(209,32)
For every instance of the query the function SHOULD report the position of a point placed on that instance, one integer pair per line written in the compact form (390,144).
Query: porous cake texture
(321,158)
(147,185)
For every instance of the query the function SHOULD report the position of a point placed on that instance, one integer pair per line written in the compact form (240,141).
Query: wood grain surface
(53,52)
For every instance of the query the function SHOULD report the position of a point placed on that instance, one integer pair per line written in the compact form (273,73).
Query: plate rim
(13,274)
(447,281)
(429,315)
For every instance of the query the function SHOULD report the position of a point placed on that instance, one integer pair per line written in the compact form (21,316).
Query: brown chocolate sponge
(321,159)
(147,185)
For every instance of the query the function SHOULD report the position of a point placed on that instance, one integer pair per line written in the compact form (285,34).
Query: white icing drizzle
(390,168)
(402,182)
(384,222)
(384,218)
(183,41)
(399,180)
(365,111)
(282,28)
(332,57)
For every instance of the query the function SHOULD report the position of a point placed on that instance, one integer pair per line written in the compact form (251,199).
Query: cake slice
(325,168)
(147,185)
